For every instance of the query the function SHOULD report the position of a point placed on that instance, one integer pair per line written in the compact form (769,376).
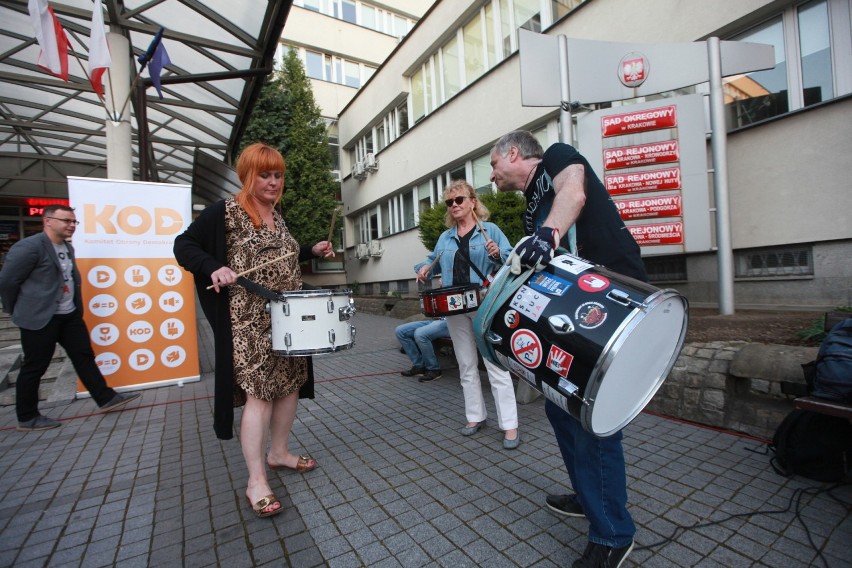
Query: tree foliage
(506,208)
(287,118)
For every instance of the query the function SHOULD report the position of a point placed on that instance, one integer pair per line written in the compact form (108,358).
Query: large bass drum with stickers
(596,343)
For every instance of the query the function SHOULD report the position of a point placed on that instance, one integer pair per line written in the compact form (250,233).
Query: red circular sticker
(593,282)
(511,319)
(526,348)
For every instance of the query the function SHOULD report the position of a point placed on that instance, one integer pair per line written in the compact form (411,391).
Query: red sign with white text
(639,121)
(629,156)
(657,234)
(645,207)
(649,180)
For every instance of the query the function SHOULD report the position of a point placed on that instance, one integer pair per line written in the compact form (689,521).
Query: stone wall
(731,385)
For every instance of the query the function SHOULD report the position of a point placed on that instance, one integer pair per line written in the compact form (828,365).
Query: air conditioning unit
(358,171)
(376,248)
(362,251)
(371,163)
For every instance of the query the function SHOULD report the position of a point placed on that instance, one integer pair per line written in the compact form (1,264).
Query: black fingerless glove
(539,249)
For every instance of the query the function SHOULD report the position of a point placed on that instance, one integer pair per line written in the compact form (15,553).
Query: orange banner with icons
(139,304)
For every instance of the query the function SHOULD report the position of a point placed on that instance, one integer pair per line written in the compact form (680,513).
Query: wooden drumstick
(333,219)
(481,230)
(437,258)
(267,263)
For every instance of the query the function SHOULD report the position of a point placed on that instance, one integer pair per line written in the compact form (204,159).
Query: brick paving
(396,485)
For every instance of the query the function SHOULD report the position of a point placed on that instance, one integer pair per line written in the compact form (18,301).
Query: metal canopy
(221,50)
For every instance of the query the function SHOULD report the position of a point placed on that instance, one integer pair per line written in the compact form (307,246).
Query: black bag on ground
(832,377)
(813,445)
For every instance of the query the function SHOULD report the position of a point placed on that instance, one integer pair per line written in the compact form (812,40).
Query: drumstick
(481,230)
(268,262)
(437,258)
(333,219)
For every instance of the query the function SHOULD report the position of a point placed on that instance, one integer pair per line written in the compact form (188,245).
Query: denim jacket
(448,247)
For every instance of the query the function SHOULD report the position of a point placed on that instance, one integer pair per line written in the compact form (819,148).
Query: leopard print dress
(256,370)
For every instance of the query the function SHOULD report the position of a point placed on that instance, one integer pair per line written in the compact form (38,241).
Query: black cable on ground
(796,498)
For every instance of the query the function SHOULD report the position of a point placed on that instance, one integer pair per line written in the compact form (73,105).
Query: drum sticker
(521,371)
(590,315)
(529,302)
(455,302)
(555,396)
(511,318)
(593,283)
(526,347)
(471,298)
(559,361)
(571,264)
(549,284)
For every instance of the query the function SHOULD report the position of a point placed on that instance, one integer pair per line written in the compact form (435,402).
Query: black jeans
(69,330)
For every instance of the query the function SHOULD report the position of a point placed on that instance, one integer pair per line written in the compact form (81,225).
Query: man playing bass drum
(562,191)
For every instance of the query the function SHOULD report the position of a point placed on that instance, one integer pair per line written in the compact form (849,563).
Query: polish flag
(51,38)
(99,58)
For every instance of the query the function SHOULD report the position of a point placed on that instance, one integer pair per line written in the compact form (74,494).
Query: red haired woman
(229,237)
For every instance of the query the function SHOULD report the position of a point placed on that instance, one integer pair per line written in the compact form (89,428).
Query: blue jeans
(416,339)
(596,468)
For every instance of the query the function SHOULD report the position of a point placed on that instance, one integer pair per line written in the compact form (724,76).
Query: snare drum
(450,300)
(596,343)
(312,322)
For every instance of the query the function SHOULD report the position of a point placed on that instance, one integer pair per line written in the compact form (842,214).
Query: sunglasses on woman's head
(458,200)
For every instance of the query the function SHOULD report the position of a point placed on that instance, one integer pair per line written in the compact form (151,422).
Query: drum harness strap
(256,288)
(505,285)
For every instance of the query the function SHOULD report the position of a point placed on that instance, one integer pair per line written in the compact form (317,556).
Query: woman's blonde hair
(461,187)
(256,158)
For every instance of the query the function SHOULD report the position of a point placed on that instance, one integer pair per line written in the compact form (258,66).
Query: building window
(314,65)
(333,143)
(402,287)
(665,268)
(408,210)
(779,261)
(809,62)
(474,50)
(815,53)
(450,67)
(481,174)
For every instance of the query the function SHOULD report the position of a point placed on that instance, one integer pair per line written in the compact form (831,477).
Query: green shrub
(816,331)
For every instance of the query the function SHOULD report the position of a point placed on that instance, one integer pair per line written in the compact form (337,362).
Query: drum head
(638,361)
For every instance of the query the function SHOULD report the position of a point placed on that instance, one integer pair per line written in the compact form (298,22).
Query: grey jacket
(31,282)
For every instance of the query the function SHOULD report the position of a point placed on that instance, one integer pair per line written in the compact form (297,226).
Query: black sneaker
(118,401)
(602,556)
(565,505)
(430,376)
(38,423)
(413,372)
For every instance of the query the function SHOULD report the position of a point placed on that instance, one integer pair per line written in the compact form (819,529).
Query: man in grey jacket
(40,287)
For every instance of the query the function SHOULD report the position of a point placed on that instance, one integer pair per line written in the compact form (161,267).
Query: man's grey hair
(523,140)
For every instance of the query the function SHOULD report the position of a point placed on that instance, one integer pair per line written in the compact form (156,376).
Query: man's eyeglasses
(458,200)
(66,221)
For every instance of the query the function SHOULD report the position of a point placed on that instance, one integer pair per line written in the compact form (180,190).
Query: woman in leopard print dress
(230,237)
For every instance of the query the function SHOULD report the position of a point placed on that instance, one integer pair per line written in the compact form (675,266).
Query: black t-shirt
(602,237)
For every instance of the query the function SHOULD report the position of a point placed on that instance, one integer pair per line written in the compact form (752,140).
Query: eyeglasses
(458,200)
(66,221)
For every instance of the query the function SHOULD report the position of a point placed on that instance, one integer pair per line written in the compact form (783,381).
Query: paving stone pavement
(396,485)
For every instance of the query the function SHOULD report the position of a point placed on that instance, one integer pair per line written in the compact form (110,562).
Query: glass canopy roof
(221,50)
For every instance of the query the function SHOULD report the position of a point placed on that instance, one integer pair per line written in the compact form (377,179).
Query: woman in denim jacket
(486,249)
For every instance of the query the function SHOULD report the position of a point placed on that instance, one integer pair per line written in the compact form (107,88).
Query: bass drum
(596,343)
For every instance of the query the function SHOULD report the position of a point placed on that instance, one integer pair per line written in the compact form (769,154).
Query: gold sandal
(305,464)
(263,503)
